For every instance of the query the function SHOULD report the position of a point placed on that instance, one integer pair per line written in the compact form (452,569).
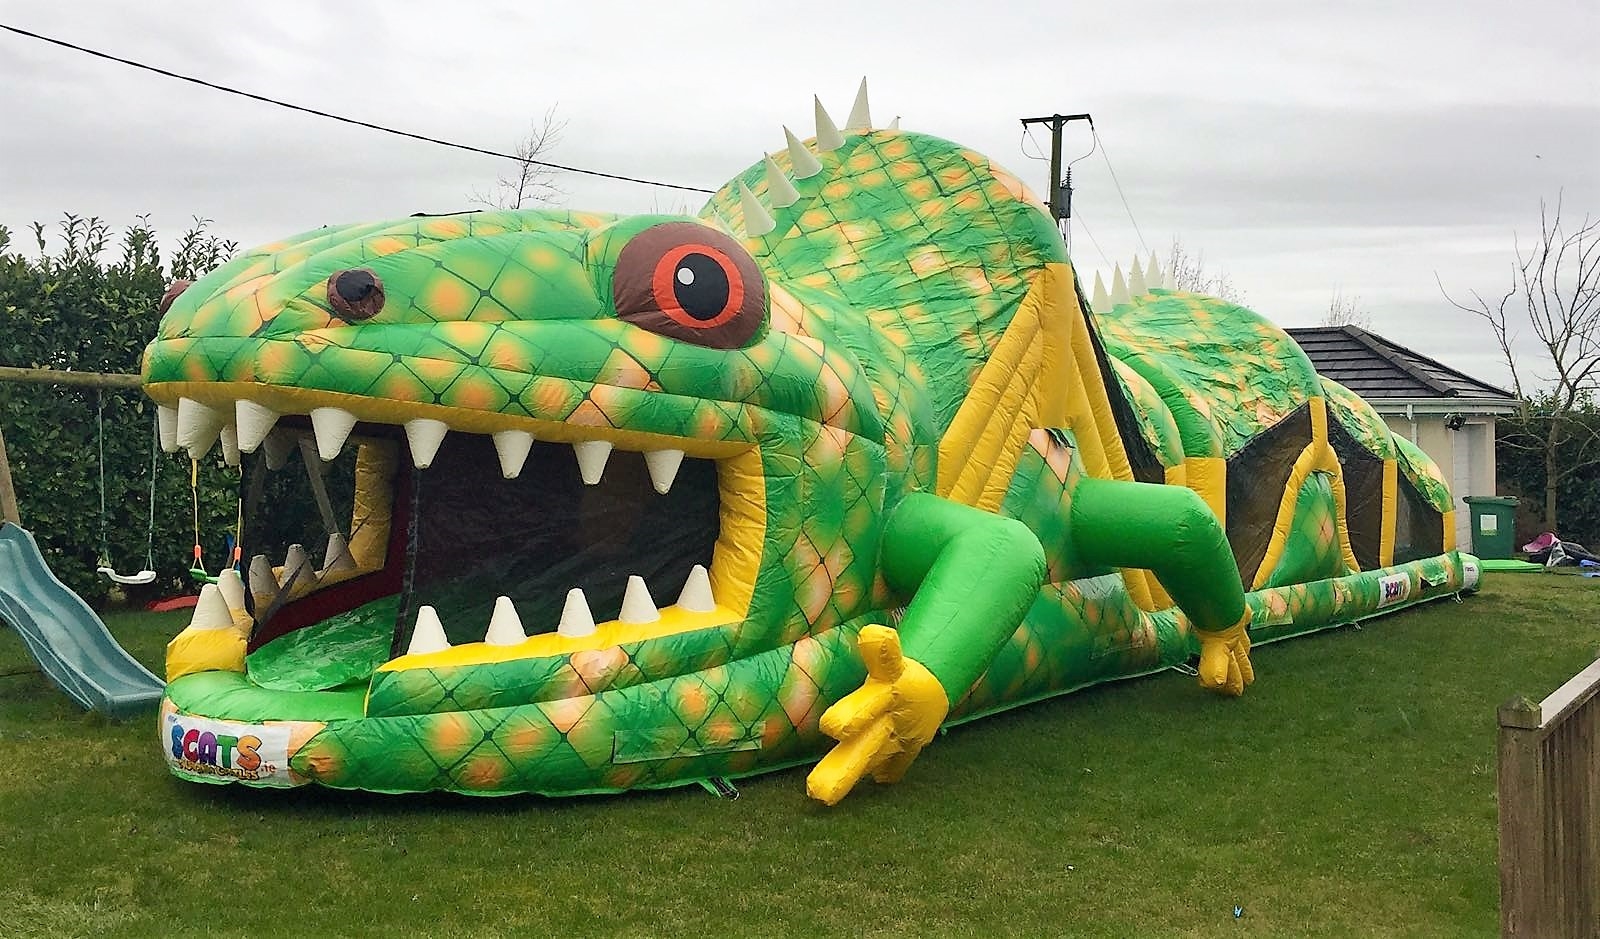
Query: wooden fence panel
(1549,795)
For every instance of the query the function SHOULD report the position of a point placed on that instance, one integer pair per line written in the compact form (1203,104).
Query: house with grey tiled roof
(1448,413)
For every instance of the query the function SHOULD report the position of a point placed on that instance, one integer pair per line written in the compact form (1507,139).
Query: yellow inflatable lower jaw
(546,645)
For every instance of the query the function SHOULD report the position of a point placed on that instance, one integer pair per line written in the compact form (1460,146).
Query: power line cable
(1097,248)
(1118,183)
(345,120)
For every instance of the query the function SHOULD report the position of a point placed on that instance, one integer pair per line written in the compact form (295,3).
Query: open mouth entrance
(454,536)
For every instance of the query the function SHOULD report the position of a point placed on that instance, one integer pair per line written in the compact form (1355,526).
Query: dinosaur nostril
(355,294)
(171,295)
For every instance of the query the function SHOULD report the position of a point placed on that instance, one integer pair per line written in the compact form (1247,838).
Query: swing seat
(143,577)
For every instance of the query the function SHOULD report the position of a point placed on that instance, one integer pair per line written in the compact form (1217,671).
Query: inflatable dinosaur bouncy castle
(856,417)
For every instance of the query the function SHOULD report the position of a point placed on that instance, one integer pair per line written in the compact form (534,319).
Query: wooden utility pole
(1060,190)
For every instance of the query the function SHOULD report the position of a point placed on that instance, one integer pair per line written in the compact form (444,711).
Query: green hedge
(91,305)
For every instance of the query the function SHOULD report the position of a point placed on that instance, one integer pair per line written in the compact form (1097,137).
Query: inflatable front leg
(972,576)
(1170,531)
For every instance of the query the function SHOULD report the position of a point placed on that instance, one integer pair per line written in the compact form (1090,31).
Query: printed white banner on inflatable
(249,752)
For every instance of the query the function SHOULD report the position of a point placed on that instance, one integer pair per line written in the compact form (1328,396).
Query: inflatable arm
(1170,531)
(971,576)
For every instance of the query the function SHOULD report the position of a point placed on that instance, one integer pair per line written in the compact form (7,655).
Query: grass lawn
(1350,792)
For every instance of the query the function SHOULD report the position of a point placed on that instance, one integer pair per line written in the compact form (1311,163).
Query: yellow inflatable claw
(1225,659)
(881,726)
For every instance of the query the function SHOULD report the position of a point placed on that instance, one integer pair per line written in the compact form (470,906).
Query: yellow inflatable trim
(546,645)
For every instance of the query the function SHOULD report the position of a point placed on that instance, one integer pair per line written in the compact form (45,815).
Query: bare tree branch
(1555,291)
(528,183)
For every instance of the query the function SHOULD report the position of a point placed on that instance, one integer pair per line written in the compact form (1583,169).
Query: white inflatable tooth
(592,456)
(296,568)
(231,586)
(263,582)
(802,161)
(576,620)
(637,607)
(696,596)
(167,427)
(254,421)
(332,426)
(337,556)
(211,611)
(505,627)
(513,447)
(425,434)
(428,634)
(663,466)
(199,425)
(230,445)
(280,443)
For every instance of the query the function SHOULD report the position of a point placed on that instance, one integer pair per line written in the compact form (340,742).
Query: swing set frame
(100,381)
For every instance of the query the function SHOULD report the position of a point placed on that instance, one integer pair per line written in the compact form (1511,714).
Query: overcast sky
(1303,148)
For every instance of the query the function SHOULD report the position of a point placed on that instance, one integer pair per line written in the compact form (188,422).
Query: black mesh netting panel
(1363,495)
(479,536)
(1257,477)
(1418,526)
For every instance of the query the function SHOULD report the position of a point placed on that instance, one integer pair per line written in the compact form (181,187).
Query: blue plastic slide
(70,643)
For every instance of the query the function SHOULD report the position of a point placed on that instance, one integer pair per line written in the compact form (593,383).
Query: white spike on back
(1154,277)
(1136,285)
(505,627)
(512,446)
(576,619)
(1098,300)
(167,427)
(637,606)
(780,191)
(757,221)
(199,425)
(802,161)
(424,435)
(1119,288)
(428,634)
(231,586)
(895,124)
(254,421)
(332,426)
(696,596)
(663,466)
(860,113)
(211,610)
(828,136)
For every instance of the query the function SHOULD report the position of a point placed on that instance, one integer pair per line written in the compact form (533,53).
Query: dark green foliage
(1520,465)
(91,305)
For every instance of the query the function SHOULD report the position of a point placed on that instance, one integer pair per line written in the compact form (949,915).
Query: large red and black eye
(690,282)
